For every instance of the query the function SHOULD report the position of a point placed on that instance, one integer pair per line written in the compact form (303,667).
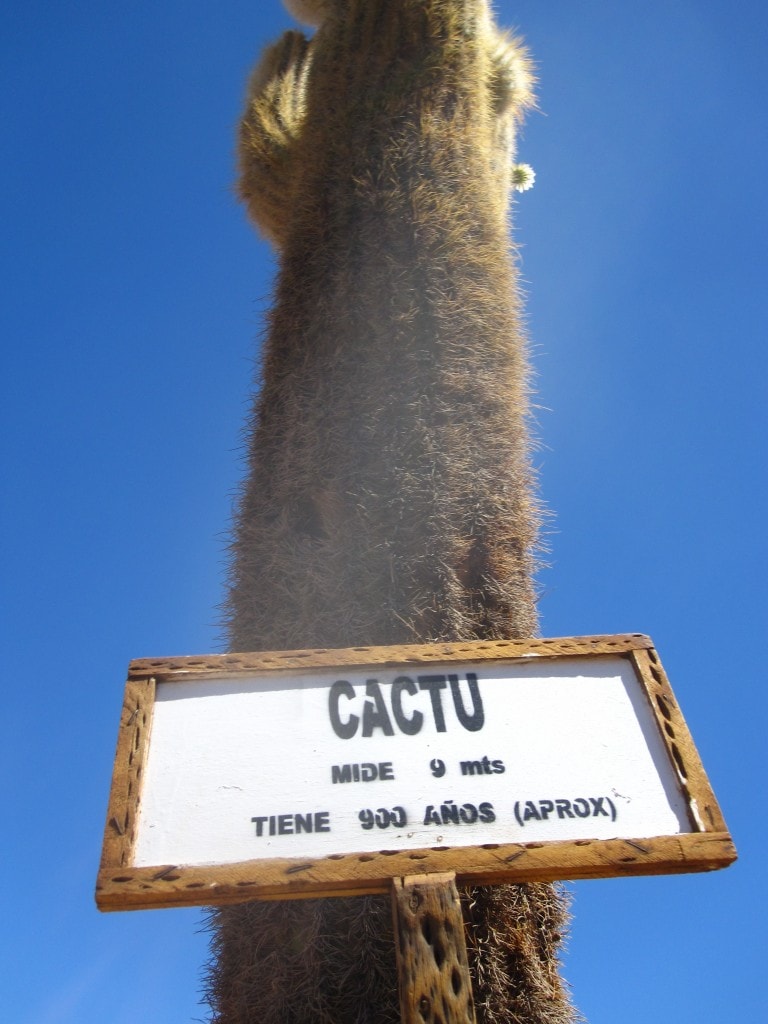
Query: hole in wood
(164,873)
(679,761)
(295,868)
(456,981)
(663,707)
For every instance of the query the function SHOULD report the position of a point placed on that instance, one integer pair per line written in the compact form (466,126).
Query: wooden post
(432,969)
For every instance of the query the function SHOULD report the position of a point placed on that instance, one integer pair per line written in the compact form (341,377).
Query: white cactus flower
(523,177)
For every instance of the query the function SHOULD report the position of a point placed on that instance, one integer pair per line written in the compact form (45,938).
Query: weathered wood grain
(204,666)
(130,758)
(433,973)
(121,888)
(703,808)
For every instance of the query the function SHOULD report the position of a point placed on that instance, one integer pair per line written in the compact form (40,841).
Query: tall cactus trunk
(389,494)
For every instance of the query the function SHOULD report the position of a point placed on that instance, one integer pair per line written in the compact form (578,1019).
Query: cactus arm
(275,112)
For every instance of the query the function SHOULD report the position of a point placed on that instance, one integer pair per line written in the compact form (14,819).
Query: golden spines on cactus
(275,111)
(468,58)
(309,12)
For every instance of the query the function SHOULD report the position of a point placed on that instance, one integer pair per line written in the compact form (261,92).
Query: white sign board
(516,748)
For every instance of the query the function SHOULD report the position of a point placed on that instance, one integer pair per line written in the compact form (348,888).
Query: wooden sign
(317,773)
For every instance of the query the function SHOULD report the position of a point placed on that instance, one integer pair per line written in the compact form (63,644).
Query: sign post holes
(432,969)
(296,774)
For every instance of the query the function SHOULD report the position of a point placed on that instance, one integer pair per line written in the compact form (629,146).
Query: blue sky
(134,294)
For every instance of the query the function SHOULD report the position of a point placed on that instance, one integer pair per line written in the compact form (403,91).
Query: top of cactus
(308,12)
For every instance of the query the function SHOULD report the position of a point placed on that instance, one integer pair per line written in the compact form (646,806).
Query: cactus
(389,496)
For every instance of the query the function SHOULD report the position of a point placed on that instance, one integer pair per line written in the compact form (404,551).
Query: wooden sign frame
(122,885)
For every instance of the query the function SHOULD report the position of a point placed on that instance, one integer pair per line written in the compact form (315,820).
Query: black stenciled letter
(475,721)
(410,726)
(435,684)
(375,711)
(345,730)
